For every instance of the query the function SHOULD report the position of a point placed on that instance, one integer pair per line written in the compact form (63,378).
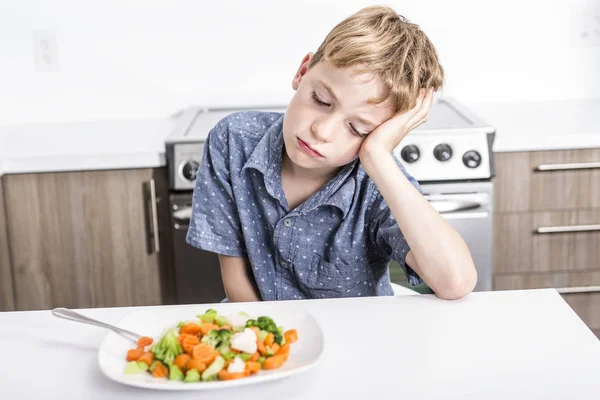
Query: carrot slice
(290,336)
(204,353)
(207,327)
(284,349)
(181,337)
(274,361)
(255,356)
(182,360)
(195,364)
(269,339)
(160,371)
(147,357)
(189,342)
(225,375)
(134,354)
(190,328)
(274,348)
(261,347)
(144,341)
(252,367)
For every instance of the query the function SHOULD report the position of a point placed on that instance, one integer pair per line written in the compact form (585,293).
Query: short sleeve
(215,224)
(385,234)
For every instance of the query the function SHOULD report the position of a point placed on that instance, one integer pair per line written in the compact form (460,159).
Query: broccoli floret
(266,324)
(220,321)
(192,375)
(132,367)
(208,316)
(216,338)
(175,374)
(167,348)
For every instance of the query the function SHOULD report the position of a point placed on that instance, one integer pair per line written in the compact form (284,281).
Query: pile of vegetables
(213,348)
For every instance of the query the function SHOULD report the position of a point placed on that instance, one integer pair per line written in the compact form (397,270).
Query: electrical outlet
(585,26)
(45,50)
(590,30)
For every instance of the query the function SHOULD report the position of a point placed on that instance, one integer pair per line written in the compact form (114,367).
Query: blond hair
(378,40)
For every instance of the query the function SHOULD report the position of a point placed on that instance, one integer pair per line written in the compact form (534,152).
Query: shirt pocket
(325,279)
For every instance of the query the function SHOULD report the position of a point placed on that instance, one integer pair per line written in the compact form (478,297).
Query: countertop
(544,125)
(82,146)
(489,345)
(520,126)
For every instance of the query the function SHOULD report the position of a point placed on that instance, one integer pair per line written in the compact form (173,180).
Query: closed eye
(318,101)
(357,133)
(323,104)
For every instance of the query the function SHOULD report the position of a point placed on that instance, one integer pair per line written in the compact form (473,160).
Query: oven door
(197,272)
(468,208)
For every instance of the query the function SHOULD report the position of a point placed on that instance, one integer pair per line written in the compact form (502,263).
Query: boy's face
(330,115)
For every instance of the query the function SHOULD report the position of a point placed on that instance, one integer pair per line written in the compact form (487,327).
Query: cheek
(298,113)
(347,149)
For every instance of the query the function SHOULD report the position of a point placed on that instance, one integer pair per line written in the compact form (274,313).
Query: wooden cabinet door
(518,248)
(555,180)
(6,281)
(80,239)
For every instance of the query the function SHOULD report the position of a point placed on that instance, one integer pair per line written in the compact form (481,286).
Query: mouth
(305,147)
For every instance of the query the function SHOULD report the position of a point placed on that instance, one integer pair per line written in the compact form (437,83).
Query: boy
(312,203)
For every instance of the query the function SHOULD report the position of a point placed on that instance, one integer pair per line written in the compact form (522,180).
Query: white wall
(127,59)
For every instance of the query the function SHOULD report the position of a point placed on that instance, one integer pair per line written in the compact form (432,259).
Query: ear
(301,71)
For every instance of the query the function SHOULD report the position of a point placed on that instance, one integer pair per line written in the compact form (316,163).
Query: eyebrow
(361,120)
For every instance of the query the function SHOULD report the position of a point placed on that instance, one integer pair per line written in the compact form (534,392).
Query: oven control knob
(410,153)
(189,170)
(472,159)
(442,152)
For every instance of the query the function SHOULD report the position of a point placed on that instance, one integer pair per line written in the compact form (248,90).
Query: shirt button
(284,264)
(287,223)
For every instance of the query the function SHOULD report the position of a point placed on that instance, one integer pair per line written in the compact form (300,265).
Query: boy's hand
(387,136)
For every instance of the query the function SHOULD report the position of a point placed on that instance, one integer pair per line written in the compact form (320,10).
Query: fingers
(418,114)
(422,112)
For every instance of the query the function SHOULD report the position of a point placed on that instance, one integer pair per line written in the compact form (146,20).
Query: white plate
(152,322)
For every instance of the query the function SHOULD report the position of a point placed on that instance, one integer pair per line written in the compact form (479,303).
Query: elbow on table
(459,287)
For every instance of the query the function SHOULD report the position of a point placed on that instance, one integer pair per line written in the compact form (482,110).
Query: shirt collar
(266,156)
(338,192)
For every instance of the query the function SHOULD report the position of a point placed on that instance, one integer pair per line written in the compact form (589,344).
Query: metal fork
(71,315)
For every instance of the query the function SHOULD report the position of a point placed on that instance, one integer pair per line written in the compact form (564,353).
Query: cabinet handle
(567,229)
(567,167)
(579,289)
(154,218)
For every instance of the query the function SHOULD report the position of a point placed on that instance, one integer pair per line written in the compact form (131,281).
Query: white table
(495,345)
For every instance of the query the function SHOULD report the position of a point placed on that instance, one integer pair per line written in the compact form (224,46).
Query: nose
(324,129)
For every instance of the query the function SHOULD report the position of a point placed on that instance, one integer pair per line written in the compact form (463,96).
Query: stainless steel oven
(468,208)
(197,272)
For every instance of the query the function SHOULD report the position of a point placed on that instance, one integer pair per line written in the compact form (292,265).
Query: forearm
(441,256)
(238,281)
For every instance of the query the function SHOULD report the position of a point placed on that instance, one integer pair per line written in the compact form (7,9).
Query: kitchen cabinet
(547,225)
(568,180)
(86,239)
(6,282)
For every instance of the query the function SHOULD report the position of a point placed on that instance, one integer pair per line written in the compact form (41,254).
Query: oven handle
(183,214)
(450,206)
